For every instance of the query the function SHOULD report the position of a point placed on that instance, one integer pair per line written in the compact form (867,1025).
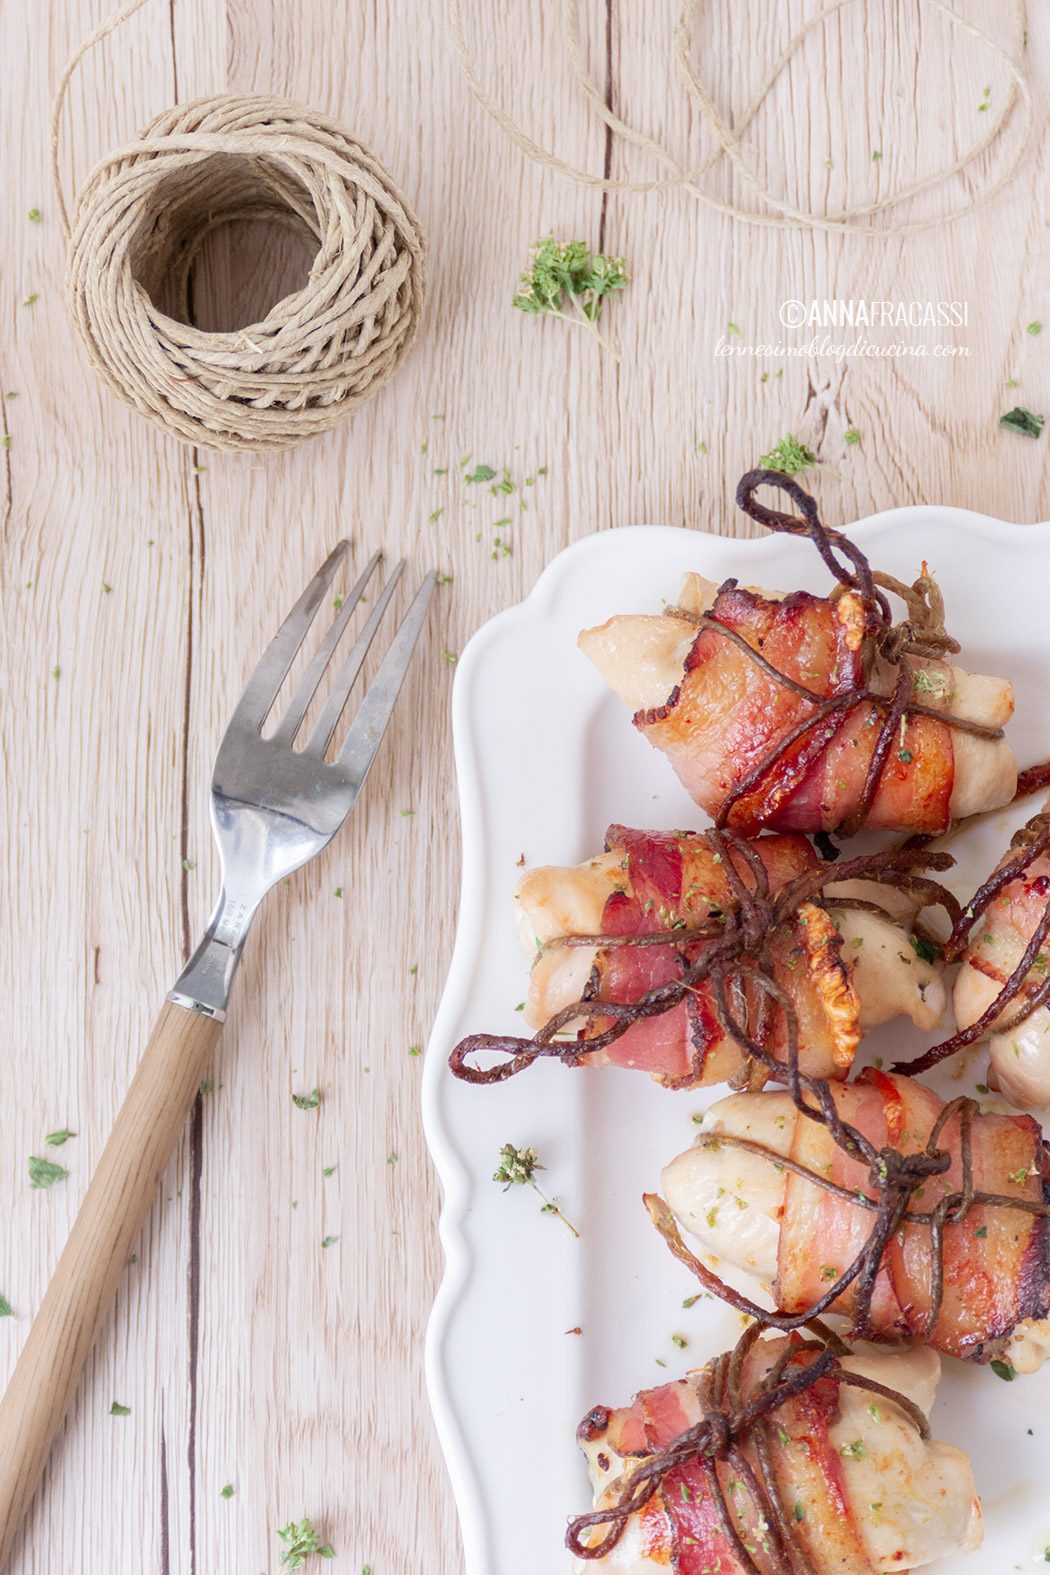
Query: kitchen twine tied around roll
(860,220)
(138,226)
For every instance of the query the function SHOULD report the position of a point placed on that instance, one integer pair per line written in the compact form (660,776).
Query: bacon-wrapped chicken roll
(1002,991)
(795,1208)
(808,713)
(848,1478)
(845,968)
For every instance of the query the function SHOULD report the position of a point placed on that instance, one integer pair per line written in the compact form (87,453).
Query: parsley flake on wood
(329,1241)
(851,436)
(1034,328)
(116,1409)
(788,456)
(568,273)
(6,1310)
(307,1101)
(517,1168)
(300,1538)
(1021,419)
(44,1173)
(56,1139)
(228,1491)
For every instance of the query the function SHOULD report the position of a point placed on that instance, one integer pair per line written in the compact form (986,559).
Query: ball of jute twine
(861,220)
(141,219)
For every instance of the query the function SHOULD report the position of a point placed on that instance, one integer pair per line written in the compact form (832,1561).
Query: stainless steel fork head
(274,806)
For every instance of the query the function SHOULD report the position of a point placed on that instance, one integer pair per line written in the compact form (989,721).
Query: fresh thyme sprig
(567,274)
(517,1168)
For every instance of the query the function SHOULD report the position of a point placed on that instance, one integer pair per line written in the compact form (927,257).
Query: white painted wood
(247,1353)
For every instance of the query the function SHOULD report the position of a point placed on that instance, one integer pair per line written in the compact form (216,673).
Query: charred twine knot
(893,642)
(904,1173)
(758,919)
(719,1434)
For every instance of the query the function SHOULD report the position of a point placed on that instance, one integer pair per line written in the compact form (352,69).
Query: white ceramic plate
(546,759)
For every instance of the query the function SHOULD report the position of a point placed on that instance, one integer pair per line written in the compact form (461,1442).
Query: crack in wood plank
(607,159)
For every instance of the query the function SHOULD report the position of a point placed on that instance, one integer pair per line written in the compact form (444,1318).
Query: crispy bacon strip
(995,1269)
(677,880)
(735,732)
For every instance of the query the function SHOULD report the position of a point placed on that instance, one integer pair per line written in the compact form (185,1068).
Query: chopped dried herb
(1021,419)
(789,456)
(44,1173)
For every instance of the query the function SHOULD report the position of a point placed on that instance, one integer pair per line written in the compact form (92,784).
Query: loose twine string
(729,137)
(137,229)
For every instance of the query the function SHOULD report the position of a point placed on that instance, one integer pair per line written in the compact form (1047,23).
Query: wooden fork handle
(85,1282)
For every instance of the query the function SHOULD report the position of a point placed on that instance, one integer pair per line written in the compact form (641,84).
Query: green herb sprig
(300,1539)
(517,1168)
(788,456)
(565,278)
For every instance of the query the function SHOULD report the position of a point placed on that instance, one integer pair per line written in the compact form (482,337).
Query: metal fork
(273,808)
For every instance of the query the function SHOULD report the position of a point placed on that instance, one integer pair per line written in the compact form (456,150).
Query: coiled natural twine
(139,224)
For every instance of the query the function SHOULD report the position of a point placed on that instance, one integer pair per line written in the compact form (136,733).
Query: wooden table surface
(141,579)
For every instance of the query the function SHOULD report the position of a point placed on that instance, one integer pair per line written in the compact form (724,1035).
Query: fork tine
(333,708)
(293,716)
(261,690)
(373,714)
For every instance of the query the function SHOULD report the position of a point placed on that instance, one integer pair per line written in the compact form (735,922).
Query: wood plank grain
(249,1353)
(94,591)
